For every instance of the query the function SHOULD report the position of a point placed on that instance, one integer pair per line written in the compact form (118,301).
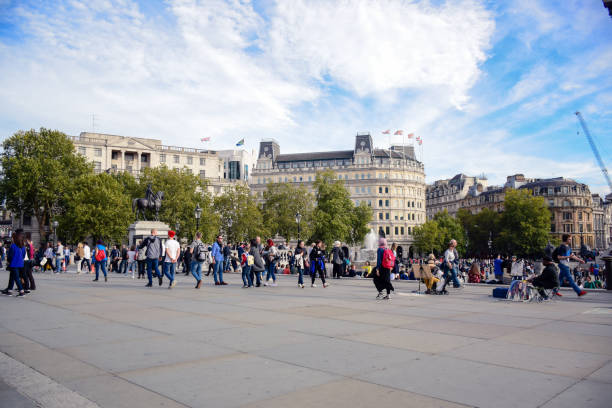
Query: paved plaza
(76,343)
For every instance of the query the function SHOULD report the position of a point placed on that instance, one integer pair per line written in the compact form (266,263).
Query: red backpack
(388,259)
(100,255)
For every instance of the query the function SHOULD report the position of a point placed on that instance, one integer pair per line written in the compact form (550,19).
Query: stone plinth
(142,229)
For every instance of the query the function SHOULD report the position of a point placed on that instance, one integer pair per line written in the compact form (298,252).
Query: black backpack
(555,254)
(199,252)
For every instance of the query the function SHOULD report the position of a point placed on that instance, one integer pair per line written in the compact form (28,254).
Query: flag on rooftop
(386,132)
(420,142)
(240,142)
(410,135)
(399,132)
(205,139)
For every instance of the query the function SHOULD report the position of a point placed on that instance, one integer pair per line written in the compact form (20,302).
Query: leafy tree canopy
(240,217)
(282,202)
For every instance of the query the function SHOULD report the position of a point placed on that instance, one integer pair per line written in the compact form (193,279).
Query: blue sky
(490,86)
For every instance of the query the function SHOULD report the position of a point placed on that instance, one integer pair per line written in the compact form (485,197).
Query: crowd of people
(153,258)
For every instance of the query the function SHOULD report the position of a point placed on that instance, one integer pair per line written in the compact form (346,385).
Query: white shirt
(449,255)
(86,252)
(174,248)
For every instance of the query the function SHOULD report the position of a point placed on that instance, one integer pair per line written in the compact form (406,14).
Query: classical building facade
(602,221)
(133,154)
(391,181)
(570,202)
(448,194)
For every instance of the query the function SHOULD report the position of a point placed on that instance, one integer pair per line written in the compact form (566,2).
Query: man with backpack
(154,255)
(197,254)
(562,255)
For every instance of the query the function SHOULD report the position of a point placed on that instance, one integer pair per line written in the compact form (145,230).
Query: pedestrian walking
(197,255)
(66,257)
(317,263)
(59,256)
(86,257)
(28,278)
(246,262)
(14,263)
(273,256)
(451,260)
(132,256)
(217,260)
(172,252)
(49,256)
(258,264)
(125,260)
(142,261)
(300,258)
(563,254)
(337,258)
(100,260)
(153,252)
(187,258)
(385,261)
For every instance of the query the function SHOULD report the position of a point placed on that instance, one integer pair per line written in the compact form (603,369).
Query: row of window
(569,228)
(398,231)
(567,215)
(177,159)
(83,150)
(334,162)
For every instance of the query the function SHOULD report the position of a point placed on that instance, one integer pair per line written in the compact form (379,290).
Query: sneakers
(173,283)
(557,294)
(160,280)
(301,285)
(223,284)
(386,297)
(199,284)
(217,283)
(148,285)
(380,295)
(244,286)
(95,280)
(313,286)
(582,293)
(106,279)
(6,292)
(21,294)
(325,284)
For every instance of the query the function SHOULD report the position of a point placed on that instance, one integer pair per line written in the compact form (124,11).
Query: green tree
(524,224)
(37,170)
(95,206)
(334,216)
(479,228)
(360,218)
(240,216)
(450,228)
(129,184)
(183,191)
(282,202)
(428,238)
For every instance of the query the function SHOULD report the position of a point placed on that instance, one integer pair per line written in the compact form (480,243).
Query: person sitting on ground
(598,283)
(589,284)
(367,270)
(548,279)
(351,271)
(428,273)
(474,273)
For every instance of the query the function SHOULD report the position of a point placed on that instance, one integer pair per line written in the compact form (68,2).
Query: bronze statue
(151,201)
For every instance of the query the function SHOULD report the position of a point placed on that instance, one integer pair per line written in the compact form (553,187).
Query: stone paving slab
(119,344)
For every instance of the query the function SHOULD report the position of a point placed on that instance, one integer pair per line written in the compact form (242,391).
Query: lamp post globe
(198,214)
(298,218)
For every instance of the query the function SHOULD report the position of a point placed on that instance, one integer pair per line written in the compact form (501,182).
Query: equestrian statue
(152,201)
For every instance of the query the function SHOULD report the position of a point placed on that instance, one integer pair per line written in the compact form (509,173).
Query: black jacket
(549,278)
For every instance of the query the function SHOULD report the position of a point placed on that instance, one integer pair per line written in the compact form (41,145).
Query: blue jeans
(300,276)
(271,271)
(196,270)
(58,263)
(15,277)
(152,264)
(226,264)
(246,276)
(218,271)
(100,265)
(564,273)
(453,276)
(169,269)
(123,266)
(132,266)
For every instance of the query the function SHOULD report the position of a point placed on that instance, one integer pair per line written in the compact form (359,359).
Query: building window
(386,216)
(114,155)
(579,215)
(177,158)
(387,230)
(162,158)
(203,174)
(202,161)
(82,150)
(386,203)
(396,230)
(412,217)
(409,230)
(144,158)
(380,216)
(402,230)
(386,190)
(98,152)
(189,160)
(552,228)
(567,215)
(379,190)
(97,166)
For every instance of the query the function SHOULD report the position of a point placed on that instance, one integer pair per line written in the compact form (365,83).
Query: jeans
(142,265)
(226,264)
(85,261)
(99,265)
(271,271)
(564,273)
(218,271)
(66,260)
(256,276)
(123,266)
(58,264)
(15,278)
(300,276)
(196,270)
(169,270)
(246,276)
(132,266)
(152,263)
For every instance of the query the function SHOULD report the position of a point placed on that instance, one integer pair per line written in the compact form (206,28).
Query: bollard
(608,260)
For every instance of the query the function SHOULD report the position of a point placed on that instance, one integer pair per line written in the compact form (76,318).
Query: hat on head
(171,234)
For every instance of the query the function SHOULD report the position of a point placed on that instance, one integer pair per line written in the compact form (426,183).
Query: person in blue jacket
(15,262)
(100,264)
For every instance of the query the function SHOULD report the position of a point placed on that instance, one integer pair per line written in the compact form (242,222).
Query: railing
(164,148)
(83,139)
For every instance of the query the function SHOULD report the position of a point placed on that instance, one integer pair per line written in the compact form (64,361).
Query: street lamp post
(298,218)
(489,243)
(198,214)
(177,226)
(55,224)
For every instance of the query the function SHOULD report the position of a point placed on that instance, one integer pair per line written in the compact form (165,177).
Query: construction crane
(602,166)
